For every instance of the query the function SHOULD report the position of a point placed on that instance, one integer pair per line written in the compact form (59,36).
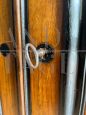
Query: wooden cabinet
(25,90)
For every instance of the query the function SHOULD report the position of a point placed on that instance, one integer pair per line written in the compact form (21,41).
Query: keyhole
(4,49)
(49,52)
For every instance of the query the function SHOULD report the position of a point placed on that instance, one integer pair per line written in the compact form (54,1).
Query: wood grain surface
(44,23)
(8,85)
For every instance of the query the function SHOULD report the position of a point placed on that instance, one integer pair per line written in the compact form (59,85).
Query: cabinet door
(44,23)
(8,85)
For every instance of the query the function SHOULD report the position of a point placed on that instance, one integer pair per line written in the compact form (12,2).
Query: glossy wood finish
(45,21)
(19,51)
(8,85)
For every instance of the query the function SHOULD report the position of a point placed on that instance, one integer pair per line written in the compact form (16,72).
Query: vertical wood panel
(45,21)
(8,86)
